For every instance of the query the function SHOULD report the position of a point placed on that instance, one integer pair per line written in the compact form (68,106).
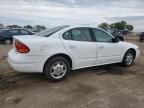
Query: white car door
(107,50)
(80,44)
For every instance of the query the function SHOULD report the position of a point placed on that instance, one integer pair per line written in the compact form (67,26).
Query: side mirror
(115,39)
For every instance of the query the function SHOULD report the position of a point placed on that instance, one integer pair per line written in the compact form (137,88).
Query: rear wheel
(128,58)
(56,68)
(7,41)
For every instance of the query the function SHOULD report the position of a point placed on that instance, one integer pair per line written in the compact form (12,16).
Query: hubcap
(129,58)
(58,69)
(7,41)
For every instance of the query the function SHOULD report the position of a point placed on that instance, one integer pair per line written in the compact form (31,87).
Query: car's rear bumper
(22,63)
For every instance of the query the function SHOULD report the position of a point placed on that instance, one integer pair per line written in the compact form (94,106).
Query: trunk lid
(35,43)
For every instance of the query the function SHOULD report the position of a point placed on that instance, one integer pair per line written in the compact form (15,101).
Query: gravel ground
(110,86)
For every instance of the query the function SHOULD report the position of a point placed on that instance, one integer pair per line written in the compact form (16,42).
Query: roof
(83,25)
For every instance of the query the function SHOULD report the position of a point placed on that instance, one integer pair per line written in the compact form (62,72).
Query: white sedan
(56,51)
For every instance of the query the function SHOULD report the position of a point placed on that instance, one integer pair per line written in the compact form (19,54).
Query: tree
(13,26)
(28,27)
(112,26)
(130,27)
(43,27)
(104,26)
(119,26)
(1,25)
(38,28)
(122,25)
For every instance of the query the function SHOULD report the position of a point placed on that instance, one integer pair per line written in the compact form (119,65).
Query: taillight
(20,47)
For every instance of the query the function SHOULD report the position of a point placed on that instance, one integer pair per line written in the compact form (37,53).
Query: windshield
(48,32)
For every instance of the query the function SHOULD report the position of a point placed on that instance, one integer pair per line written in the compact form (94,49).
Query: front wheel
(128,58)
(56,68)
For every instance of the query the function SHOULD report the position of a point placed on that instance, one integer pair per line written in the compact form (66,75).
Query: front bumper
(137,53)
(141,37)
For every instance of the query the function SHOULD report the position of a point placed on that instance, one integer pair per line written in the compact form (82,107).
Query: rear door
(80,44)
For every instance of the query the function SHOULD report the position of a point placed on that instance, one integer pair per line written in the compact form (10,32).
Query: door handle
(101,47)
(72,46)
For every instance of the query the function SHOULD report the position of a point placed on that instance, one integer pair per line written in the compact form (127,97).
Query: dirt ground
(111,86)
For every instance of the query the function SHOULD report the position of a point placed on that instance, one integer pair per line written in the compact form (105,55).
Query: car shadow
(111,69)
(20,80)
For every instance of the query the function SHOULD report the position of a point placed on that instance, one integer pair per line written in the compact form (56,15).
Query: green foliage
(130,27)
(122,25)
(39,28)
(112,26)
(104,26)
(119,26)
(28,27)
(13,26)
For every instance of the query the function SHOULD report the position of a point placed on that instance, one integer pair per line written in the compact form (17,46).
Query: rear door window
(24,32)
(14,32)
(78,34)
(81,34)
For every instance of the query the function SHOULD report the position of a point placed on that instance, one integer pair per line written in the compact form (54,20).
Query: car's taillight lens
(20,47)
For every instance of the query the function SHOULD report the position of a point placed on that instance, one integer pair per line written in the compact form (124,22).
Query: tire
(141,40)
(7,41)
(57,68)
(128,58)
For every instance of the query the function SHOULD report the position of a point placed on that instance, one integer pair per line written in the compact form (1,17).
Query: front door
(107,50)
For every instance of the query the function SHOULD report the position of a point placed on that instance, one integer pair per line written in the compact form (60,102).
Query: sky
(71,12)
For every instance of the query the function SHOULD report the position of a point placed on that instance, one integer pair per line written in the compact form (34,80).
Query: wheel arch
(131,49)
(61,55)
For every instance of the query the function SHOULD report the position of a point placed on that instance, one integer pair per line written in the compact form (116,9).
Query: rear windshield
(48,32)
